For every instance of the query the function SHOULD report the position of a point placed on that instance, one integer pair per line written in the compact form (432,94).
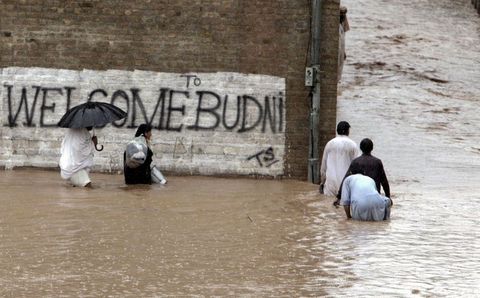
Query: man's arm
(339,194)
(384,181)
(344,195)
(323,168)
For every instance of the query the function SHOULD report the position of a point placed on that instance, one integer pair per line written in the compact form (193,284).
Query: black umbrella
(91,114)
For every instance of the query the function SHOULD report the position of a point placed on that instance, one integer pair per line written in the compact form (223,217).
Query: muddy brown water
(410,83)
(205,236)
(194,236)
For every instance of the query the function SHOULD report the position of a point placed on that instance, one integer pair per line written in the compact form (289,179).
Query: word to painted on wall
(173,102)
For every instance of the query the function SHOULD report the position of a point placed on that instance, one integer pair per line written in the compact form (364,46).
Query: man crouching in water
(361,199)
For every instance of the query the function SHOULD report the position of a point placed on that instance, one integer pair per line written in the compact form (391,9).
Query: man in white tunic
(343,28)
(362,201)
(77,156)
(337,156)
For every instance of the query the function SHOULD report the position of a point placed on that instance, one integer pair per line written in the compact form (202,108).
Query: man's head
(366,145)
(343,18)
(343,128)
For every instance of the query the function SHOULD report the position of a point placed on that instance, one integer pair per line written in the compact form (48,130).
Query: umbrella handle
(101,148)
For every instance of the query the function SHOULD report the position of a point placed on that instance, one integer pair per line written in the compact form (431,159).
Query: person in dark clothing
(370,166)
(141,174)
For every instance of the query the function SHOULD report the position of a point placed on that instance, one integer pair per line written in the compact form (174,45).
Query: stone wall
(252,41)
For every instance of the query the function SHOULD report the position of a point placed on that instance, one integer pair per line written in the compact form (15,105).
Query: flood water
(411,84)
(193,236)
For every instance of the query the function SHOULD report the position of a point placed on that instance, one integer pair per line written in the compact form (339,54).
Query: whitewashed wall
(196,130)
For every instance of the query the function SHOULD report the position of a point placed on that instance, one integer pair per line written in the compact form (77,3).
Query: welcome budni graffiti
(204,102)
(216,120)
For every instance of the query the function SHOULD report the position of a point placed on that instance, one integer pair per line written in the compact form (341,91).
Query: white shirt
(360,193)
(77,152)
(337,156)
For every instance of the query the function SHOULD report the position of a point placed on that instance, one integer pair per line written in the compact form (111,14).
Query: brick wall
(329,64)
(177,37)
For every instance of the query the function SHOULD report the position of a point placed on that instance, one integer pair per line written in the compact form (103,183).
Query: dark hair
(343,128)
(143,129)
(366,145)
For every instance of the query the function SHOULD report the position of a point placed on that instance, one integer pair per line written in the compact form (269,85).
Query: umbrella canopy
(91,114)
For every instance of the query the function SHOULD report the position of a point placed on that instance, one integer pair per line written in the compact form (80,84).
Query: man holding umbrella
(78,146)
(77,156)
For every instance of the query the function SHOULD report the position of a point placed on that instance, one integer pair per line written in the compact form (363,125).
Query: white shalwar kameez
(77,156)
(360,193)
(337,156)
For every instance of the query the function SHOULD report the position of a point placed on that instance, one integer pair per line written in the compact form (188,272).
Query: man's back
(338,154)
(359,194)
(76,152)
(372,167)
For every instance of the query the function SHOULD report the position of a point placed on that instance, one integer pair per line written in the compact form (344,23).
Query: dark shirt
(141,174)
(372,167)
